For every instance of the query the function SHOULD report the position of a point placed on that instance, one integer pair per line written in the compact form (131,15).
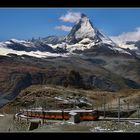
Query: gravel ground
(7,124)
(94,126)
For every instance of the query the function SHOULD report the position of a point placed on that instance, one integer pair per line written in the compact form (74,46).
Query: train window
(86,113)
(50,113)
(65,113)
(94,112)
(81,114)
(90,114)
(58,113)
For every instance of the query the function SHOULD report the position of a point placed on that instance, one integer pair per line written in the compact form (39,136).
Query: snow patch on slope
(12,41)
(86,29)
(128,46)
(17,41)
(85,41)
(23,42)
(120,50)
(5,52)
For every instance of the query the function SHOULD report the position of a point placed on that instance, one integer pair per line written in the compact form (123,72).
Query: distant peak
(83,15)
(84,18)
(82,29)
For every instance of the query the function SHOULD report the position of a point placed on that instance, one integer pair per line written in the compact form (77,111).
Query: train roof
(40,110)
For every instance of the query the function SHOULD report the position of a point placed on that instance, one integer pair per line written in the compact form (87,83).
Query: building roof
(73,113)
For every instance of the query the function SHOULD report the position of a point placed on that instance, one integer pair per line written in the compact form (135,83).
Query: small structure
(33,125)
(74,117)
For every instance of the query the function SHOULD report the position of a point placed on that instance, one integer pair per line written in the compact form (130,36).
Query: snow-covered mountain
(132,47)
(83,36)
(85,29)
(53,39)
(85,58)
(23,45)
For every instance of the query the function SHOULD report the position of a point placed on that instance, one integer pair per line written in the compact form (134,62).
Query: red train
(84,115)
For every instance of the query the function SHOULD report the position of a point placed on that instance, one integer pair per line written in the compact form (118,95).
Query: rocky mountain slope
(85,59)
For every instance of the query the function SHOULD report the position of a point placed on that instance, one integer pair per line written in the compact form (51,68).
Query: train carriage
(85,115)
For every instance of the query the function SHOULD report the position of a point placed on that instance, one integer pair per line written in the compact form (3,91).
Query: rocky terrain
(90,127)
(18,73)
(59,97)
(84,59)
(7,124)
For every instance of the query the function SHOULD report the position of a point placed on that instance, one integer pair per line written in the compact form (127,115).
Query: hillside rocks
(103,83)
(84,59)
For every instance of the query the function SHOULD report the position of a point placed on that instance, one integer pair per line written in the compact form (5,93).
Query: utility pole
(97,106)
(75,103)
(43,115)
(92,106)
(104,104)
(62,113)
(119,109)
(128,105)
(27,114)
(139,108)
(55,103)
(111,104)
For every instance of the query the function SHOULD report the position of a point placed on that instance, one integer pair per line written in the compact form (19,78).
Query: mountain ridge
(82,36)
(94,61)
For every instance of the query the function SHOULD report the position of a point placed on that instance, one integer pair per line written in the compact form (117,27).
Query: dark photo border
(60,4)
(69,3)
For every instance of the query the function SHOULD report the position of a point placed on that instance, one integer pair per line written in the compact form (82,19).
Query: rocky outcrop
(85,73)
(103,83)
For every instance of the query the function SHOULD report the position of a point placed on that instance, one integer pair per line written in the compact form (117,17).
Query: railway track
(121,119)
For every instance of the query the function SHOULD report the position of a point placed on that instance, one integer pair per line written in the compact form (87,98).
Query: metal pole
(75,103)
(43,115)
(96,103)
(92,106)
(27,115)
(104,104)
(62,114)
(111,105)
(128,106)
(56,103)
(118,109)
(139,108)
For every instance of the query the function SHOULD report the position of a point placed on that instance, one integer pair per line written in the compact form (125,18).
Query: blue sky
(25,23)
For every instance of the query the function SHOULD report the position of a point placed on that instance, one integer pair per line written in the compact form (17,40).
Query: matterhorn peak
(82,29)
(83,15)
(84,18)
(85,29)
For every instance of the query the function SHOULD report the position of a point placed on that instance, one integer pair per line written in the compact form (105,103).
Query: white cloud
(127,36)
(64,28)
(71,17)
